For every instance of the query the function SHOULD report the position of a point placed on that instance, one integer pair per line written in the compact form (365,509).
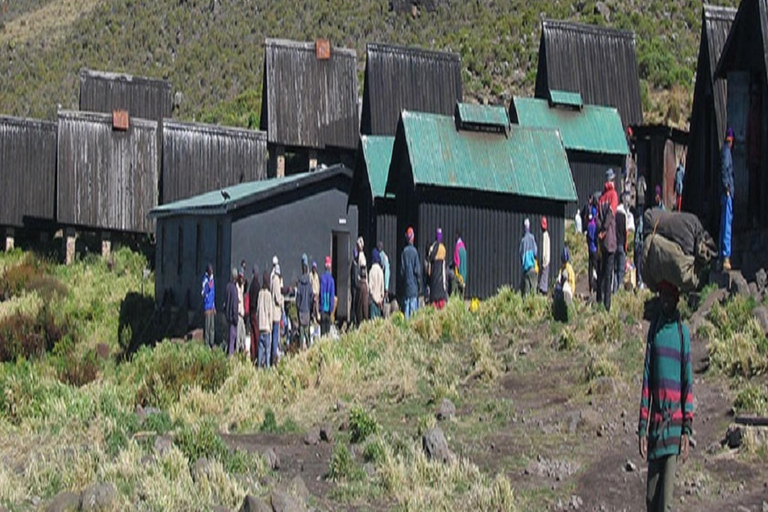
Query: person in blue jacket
(327,298)
(528,254)
(410,274)
(726,201)
(209,306)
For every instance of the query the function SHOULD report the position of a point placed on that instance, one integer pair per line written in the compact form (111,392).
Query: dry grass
(49,22)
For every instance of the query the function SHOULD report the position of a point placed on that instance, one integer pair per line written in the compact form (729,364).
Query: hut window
(180,253)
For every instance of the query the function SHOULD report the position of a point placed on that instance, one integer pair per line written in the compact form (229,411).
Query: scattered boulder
(761,314)
(447,410)
(64,502)
(298,488)
(273,461)
(733,437)
(312,437)
(557,470)
(99,497)
(201,469)
(163,445)
(283,502)
(603,10)
(753,291)
(435,445)
(326,434)
(738,285)
(761,280)
(102,350)
(630,466)
(254,504)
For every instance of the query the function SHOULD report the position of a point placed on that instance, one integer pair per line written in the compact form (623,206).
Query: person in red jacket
(609,194)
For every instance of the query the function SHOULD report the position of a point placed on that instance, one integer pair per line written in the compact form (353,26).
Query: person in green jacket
(666,403)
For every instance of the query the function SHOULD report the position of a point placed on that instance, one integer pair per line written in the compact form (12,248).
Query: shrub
(270,425)
(159,422)
(203,441)
(742,353)
(484,360)
(28,276)
(374,452)
(598,366)
(164,371)
(27,335)
(77,370)
(566,340)
(751,399)
(606,328)
(342,467)
(361,425)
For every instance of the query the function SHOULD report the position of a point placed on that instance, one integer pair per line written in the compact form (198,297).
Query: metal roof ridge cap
(715,11)
(26,121)
(588,28)
(128,77)
(176,123)
(415,50)
(103,117)
(274,42)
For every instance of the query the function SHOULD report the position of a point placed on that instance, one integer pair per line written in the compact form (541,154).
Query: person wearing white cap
(278,302)
(528,254)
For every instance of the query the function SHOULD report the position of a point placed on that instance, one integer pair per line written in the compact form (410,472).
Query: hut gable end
(309,102)
(597,62)
(145,98)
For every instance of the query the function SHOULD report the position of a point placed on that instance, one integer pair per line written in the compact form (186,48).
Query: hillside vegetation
(212,50)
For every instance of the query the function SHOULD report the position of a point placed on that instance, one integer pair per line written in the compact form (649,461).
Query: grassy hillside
(212,51)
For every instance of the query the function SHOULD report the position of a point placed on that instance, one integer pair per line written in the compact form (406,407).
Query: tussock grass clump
(28,335)
(361,425)
(605,328)
(30,275)
(751,399)
(566,340)
(598,366)
(742,353)
(342,467)
(486,365)
(202,441)
(731,316)
(508,310)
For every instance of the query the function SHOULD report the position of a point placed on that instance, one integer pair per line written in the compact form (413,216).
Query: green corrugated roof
(483,114)
(528,162)
(593,129)
(566,98)
(377,151)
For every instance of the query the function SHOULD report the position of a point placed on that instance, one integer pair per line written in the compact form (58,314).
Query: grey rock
(298,488)
(99,497)
(435,445)
(630,466)
(738,285)
(573,419)
(201,469)
(273,460)
(753,291)
(603,10)
(765,506)
(447,410)
(734,437)
(326,433)
(64,502)
(312,437)
(369,469)
(761,314)
(220,508)
(254,504)
(761,280)
(283,502)
(163,445)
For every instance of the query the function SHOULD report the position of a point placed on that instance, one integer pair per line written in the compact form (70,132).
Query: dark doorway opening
(340,255)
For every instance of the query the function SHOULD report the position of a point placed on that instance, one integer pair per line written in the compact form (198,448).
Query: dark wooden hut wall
(309,103)
(599,63)
(201,158)
(588,172)
(386,232)
(27,170)
(106,179)
(399,78)
(145,98)
(708,120)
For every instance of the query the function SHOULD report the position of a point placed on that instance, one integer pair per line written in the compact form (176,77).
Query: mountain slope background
(212,50)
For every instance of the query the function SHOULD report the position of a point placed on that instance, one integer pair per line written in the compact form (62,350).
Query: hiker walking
(438,284)
(666,403)
(545,253)
(679,177)
(209,306)
(410,274)
(265,312)
(606,235)
(460,264)
(327,298)
(726,202)
(592,249)
(363,296)
(528,254)
(376,285)
(620,263)
(304,301)
(231,305)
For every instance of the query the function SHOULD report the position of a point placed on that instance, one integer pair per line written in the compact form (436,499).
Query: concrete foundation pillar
(106,245)
(312,160)
(280,151)
(70,237)
(10,239)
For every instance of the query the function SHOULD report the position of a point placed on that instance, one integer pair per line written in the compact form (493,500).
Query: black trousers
(325,323)
(605,279)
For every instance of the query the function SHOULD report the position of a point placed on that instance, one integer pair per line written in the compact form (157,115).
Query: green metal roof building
(377,221)
(593,136)
(476,173)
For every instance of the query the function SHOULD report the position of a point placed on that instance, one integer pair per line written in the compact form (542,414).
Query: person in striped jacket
(666,405)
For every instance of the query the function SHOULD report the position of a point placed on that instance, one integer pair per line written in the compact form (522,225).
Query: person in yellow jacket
(567,277)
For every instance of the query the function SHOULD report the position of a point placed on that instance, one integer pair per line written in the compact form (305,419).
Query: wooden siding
(599,63)
(27,170)
(145,98)
(589,176)
(200,158)
(106,179)
(306,102)
(399,78)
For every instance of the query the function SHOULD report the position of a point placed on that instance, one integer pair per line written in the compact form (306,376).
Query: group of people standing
(370,286)
(257,308)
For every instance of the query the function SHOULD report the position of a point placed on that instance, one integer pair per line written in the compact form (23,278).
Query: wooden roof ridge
(307,46)
(585,28)
(413,51)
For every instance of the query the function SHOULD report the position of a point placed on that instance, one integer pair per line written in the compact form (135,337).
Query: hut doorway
(340,257)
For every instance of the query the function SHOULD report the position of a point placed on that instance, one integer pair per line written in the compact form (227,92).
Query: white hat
(274,260)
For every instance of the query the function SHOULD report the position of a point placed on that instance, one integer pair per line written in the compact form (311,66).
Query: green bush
(270,425)
(599,366)
(361,425)
(77,370)
(751,399)
(342,467)
(374,452)
(159,422)
(743,353)
(163,372)
(202,441)
(24,335)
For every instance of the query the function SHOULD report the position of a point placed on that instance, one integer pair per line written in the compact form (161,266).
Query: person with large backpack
(666,402)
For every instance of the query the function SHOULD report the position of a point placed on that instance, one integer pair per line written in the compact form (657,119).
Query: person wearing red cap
(666,402)
(545,258)
(327,298)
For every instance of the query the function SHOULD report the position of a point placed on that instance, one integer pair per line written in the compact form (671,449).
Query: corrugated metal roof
(470,113)
(592,129)
(377,151)
(600,63)
(740,45)
(215,203)
(528,162)
(572,99)
(401,78)
(306,102)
